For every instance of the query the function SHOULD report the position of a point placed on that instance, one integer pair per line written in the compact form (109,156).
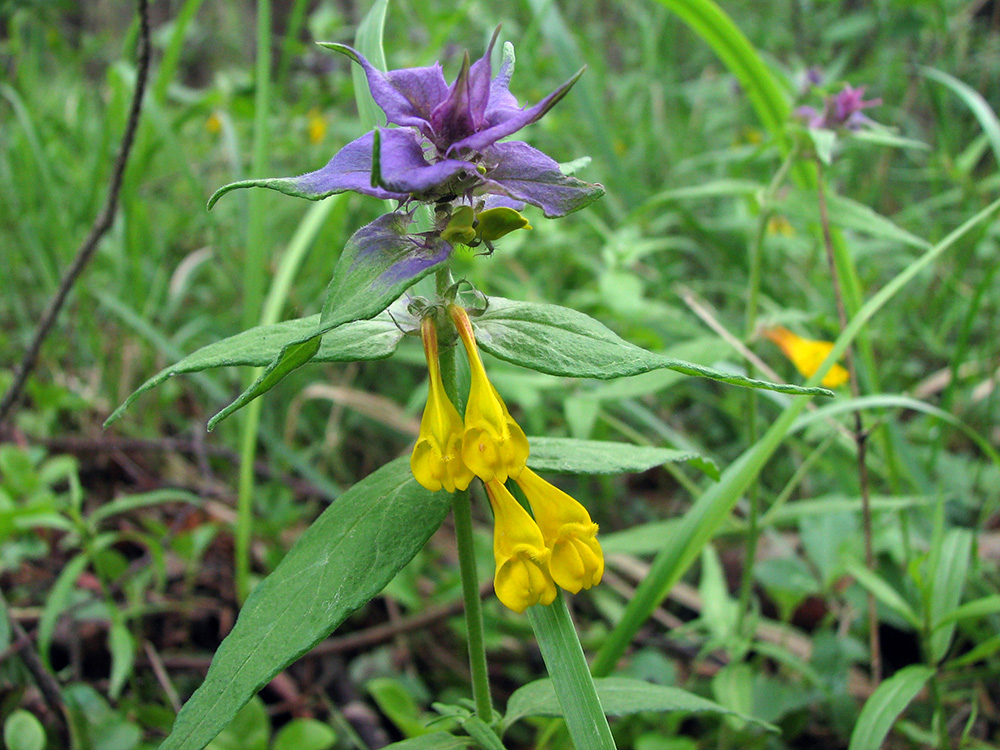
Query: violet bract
(446,147)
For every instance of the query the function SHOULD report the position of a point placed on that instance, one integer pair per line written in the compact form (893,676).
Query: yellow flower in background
(807,355)
(316,125)
(214,123)
(493,444)
(436,461)
(577,561)
(522,576)
(778,224)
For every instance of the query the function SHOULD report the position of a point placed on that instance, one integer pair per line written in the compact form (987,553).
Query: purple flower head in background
(843,110)
(446,146)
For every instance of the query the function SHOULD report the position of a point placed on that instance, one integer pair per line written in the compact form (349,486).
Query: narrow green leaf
(344,559)
(975,102)
(359,340)
(885,705)
(292,358)
(561,341)
(849,214)
(620,696)
(122,647)
(368,41)
(883,591)
(987,605)
(947,585)
(141,500)
(435,741)
(572,456)
(484,736)
(57,601)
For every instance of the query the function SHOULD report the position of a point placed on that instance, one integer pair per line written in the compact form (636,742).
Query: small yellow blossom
(316,126)
(807,355)
(780,225)
(436,460)
(493,444)
(577,561)
(214,123)
(522,576)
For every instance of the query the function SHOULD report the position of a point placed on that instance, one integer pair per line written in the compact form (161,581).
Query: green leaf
(849,214)
(360,340)
(57,601)
(620,696)
(571,456)
(987,605)
(304,734)
(395,702)
(975,102)
(378,264)
(885,705)
(141,500)
(22,731)
(249,729)
(344,559)
(122,647)
(435,741)
(947,584)
(883,591)
(560,341)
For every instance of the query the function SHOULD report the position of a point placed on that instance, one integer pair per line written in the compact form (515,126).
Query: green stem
(462,512)
(567,666)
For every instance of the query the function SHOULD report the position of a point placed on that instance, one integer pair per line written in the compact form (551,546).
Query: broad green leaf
(248,730)
(360,340)
(560,341)
(435,741)
(885,705)
(620,696)
(378,264)
(947,584)
(395,702)
(344,559)
(883,591)
(304,734)
(22,731)
(571,456)
(733,687)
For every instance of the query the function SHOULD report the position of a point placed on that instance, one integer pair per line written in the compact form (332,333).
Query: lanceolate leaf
(359,340)
(560,341)
(885,705)
(344,559)
(619,697)
(571,456)
(379,263)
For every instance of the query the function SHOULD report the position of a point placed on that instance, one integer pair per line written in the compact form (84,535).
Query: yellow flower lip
(436,461)
(807,355)
(522,577)
(493,444)
(577,561)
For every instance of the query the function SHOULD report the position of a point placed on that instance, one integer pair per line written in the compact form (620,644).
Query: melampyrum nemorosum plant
(455,183)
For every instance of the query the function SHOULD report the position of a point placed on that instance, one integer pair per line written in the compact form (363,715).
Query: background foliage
(116,546)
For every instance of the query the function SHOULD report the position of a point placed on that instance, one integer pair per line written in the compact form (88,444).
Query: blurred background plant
(116,546)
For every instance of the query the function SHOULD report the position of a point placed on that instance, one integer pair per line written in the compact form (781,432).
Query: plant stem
(574,685)
(462,513)
(860,434)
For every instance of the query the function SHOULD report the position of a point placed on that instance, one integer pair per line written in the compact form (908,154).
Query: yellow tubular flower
(436,460)
(807,355)
(493,444)
(577,561)
(522,572)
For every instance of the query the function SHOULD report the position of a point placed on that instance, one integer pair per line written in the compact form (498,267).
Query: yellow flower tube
(493,444)
(522,560)
(436,461)
(577,560)
(807,355)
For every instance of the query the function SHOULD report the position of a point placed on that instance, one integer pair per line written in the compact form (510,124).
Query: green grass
(685,153)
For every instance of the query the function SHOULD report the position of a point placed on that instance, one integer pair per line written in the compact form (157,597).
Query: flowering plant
(446,155)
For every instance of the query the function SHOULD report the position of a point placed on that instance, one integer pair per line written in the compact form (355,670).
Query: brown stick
(100,227)
(860,434)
